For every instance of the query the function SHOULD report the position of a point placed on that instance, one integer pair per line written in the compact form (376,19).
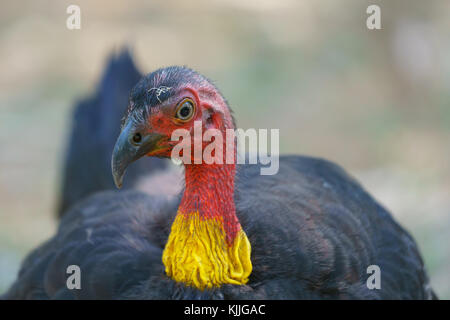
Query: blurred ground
(376,102)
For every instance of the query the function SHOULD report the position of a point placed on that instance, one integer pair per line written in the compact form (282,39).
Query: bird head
(163,101)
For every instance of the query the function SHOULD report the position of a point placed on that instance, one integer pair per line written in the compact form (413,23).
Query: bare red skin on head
(209,187)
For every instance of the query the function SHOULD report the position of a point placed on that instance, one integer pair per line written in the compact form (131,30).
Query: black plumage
(313,229)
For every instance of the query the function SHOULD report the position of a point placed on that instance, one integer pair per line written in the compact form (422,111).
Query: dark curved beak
(126,151)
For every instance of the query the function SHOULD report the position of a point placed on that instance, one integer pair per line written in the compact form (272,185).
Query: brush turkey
(308,232)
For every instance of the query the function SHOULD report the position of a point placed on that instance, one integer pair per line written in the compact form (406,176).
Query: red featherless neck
(210,192)
(209,188)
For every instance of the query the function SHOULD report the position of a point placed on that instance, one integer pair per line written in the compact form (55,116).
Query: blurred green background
(375,101)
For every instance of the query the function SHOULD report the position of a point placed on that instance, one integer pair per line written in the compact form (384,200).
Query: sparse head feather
(158,86)
(161,84)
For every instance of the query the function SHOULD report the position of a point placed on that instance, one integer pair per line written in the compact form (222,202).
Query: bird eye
(185,110)
(137,137)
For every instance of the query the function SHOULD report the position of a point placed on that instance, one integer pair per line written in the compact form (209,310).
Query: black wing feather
(95,128)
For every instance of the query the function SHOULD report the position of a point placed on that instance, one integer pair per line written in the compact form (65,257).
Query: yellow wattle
(198,255)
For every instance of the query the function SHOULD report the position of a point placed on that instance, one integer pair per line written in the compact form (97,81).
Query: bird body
(308,232)
(312,228)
